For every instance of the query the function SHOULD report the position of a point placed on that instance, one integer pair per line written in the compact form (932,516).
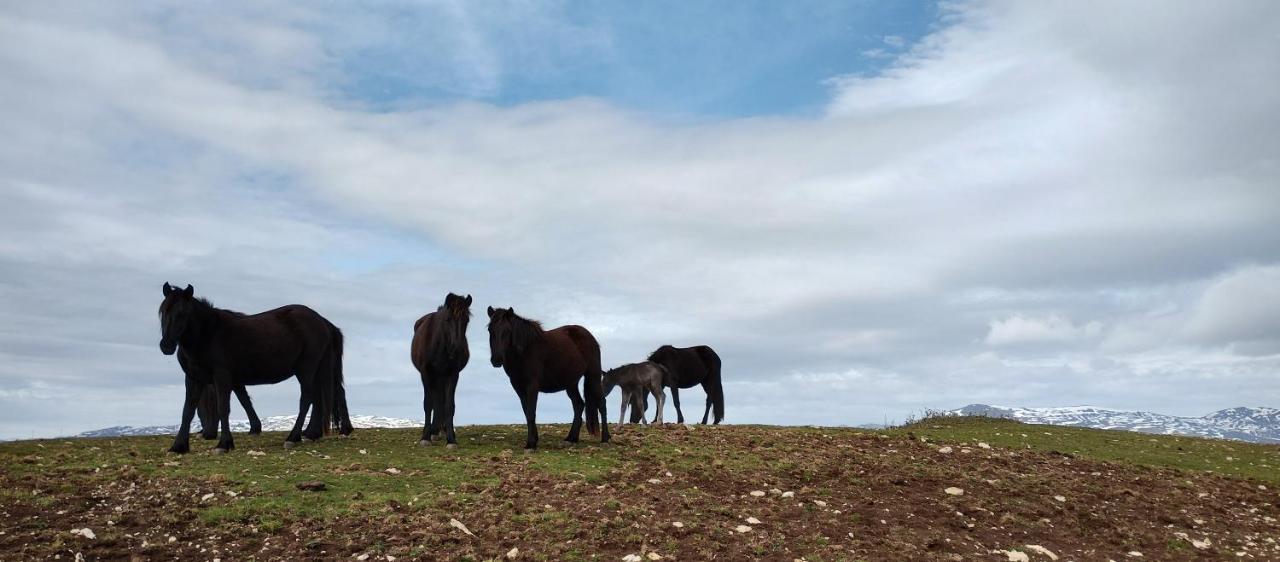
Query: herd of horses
(221,352)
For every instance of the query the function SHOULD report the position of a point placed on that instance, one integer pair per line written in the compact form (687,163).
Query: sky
(869,209)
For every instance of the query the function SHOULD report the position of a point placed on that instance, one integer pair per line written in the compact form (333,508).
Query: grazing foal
(636,379)
(538,360)
(439,352)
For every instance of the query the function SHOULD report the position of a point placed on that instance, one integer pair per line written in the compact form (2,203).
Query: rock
(819,503)
(85,532)
(982,445)
(311,486)
(1200,544)
(656,481)
(172,539)
(459,526)
(788,494)
(1042,551)
(944,450)
(954,491)
(1016,556)
(513,553)
(364,452)
(1060,499)
(677,524)
(653,556)
(391,558)
(631,558)
(256,454)
(1134,554)
(742,529)
(392,471)
(753,521)
(757,493)
(206,497)
(363,557)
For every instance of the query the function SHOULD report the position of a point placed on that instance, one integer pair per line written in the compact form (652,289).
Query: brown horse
(689,366)
(538,360)
(439,352)
(229,349)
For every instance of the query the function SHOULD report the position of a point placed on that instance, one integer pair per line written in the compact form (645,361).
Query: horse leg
(207,413)
(304,404)
(320,379)
(529,402)
(426,412)
(182,443)
(451,387)
(675,399)
(438,411)
(622,406)
(576,397)
(661,398)
(225,443)
(255,424)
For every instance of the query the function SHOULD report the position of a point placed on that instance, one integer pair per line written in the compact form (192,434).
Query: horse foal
(636,379)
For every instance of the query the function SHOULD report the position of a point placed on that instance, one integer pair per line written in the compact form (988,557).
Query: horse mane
(207,306)
(524,331)
(653,357)
(447,336)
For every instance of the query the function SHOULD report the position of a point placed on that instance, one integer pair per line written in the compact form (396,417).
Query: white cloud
(1242,308)
(1018,329)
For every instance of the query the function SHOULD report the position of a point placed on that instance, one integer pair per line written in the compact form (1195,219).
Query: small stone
(1134,554)
(742,529)
(819,503)
(392,471)
(1060,499)
(631,558)
(753,521)
(513,553)
(954,491)
(256,454)
(1042,551)
(788,494)
(311,486)
(391,558)
(206,497)
(757,493)
(172,539)
(459,526)
(983,446)
(653,556)
(1016,556)
(656,481)
(1201,544)
(677,524)
(944,450)
(363,557)
(85,532)
(364,452)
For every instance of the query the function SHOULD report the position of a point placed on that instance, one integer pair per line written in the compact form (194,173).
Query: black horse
(439,352)
(229,349)
(538,360)
(689,366)
(207,407)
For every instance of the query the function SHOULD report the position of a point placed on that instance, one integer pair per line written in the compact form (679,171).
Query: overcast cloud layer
(1037,204)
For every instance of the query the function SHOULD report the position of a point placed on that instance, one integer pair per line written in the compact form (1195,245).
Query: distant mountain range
(1256,425)
(270,423)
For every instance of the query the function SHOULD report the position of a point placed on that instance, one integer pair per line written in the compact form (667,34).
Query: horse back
(572,349)
(266,347)
(421,336)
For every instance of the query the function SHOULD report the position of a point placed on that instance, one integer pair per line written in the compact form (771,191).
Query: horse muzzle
(168,348)
(497,363)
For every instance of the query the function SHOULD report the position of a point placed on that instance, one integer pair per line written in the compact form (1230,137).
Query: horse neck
(450,336)
(204,324)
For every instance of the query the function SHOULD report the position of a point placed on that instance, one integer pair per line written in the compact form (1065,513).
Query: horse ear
(189,291)
(468,300)
(490,312)
(167,289)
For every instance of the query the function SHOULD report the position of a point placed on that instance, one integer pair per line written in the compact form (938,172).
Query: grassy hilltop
(670,493)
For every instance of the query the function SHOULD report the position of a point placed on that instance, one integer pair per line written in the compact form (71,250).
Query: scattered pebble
(85,532)
(393,471)
(363,557)
(788,494)
(1134,554)
(513,553)
(631,558)
(172,539)
(206,497)
(364,452)
(983,446)
(954,491)
(1061,499)
(757,493)
(656,481)
(753,521)
(256,454)
(459,526)
(653,556)
(677,524)
(820,503)
(1201,544)
(1042,551)
(742,529)
(944,450)
(1016,556)
(311,486)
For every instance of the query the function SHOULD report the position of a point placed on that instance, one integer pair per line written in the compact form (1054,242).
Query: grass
(1229,458)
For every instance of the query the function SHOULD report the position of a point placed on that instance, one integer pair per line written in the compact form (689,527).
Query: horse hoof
(219,451)
(343,436)
(529,450)
(424,443)
(451,446)
(290,444)
(307,439)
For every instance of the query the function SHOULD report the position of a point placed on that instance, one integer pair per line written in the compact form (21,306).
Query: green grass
(1228,458)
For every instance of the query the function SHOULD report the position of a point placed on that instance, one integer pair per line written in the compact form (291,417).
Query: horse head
(175,315)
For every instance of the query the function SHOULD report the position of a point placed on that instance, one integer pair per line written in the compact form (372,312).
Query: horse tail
(333,393)
(593,384)
(716,388)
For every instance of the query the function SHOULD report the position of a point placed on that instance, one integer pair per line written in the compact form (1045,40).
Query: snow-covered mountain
(1257,425)
(270,423)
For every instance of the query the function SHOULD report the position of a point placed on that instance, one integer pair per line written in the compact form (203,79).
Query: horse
(549,361)
(439,353)
(229,349)
(689,366)
(637,379)
(207,408)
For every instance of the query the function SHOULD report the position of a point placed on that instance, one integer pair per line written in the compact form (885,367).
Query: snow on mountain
(1257,425)
(270,423)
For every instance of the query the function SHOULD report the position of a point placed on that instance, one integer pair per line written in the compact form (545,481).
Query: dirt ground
(668,493)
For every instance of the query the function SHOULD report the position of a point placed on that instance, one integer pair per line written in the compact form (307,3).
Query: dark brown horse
(689,366)
(207,407)
(538,360)
(229,349)
(439,352)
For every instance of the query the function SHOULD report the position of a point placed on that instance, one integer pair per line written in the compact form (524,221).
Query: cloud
(1022,166)
(1241,308)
